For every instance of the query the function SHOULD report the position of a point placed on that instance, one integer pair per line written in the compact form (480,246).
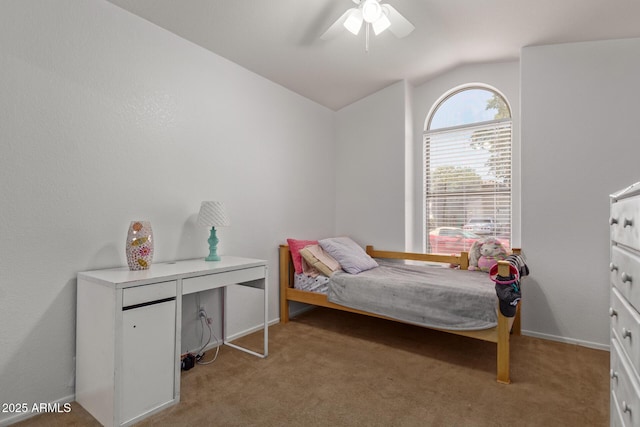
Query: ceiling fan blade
(400,26)
(353,23)
(337,27)
(381,24)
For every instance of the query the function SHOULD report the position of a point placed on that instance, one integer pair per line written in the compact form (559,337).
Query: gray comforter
(431,296)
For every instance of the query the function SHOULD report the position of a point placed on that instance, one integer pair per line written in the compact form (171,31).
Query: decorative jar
(139,246)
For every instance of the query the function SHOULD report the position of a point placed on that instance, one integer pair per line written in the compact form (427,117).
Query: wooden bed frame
(498,334)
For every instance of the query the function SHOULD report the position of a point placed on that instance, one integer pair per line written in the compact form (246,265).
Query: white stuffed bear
(485,253)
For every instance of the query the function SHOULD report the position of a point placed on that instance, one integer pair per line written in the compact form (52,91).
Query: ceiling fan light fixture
(375,16)
(381,24)
(353,23)
(371,11)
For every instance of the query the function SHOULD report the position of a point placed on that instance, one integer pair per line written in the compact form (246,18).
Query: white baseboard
(251,330)
(304,309)
(12,419)
(271,323)
(232,337)
(589,344)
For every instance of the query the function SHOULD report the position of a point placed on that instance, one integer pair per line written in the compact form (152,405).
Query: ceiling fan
(373,15)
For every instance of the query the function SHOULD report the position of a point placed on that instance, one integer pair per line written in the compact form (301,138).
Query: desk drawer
(148,293)
(216,280)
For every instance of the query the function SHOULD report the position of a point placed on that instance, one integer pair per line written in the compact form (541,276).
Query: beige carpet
(330,368)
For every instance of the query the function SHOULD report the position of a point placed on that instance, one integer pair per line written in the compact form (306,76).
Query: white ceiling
(280,39)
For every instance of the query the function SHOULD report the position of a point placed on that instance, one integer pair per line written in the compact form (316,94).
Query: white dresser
(625,306)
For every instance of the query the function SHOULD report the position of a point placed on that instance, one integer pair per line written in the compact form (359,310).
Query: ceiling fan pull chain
(366,43)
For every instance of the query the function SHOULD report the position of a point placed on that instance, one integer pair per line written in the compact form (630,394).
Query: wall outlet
(202,313)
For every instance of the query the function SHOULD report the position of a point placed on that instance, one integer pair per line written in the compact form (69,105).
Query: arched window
(467,170)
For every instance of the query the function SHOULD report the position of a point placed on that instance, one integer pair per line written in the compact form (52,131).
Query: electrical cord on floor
(200,355)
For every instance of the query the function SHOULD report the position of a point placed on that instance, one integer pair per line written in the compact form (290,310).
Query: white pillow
(351,257)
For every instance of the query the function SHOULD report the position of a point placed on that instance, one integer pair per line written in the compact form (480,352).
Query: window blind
(468,176)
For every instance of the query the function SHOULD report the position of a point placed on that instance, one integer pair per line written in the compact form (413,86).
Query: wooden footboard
(499,334)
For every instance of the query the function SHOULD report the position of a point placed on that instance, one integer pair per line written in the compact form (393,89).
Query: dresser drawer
(625,274)
(625,391)
(625,325)
(625,222)
(212,281)
(616,418)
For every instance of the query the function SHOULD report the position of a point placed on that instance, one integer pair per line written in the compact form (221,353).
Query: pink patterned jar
(139,246)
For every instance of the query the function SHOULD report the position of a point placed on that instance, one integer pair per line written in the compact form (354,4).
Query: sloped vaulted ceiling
(280,39)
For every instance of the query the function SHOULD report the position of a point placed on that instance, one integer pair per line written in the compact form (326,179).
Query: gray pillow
(352,258)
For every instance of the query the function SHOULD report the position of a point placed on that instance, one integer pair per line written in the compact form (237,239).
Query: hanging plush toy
(485,253)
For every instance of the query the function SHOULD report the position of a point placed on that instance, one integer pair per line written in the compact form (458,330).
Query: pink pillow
(294,247)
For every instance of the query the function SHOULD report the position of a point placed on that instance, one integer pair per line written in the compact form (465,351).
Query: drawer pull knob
(613,374)
(613,220)
(628,222)
(612,312)
(625,278)
(626,333)
(626,407)
(613,267)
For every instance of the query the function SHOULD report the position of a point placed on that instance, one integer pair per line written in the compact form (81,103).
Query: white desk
(129,330)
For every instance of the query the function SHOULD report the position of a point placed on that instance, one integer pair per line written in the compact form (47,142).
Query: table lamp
(212,215)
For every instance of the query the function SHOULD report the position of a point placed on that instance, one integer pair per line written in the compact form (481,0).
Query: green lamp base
(213,246)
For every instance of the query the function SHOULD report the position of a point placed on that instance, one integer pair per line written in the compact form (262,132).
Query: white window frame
(507,224)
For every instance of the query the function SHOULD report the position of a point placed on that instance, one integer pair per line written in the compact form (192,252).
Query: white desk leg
(224,315)
(265,326)
(178,348)
(266,313)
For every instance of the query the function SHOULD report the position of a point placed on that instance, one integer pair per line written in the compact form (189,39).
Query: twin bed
(460,302)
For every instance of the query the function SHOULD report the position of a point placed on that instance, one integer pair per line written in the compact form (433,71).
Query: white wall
(379,187)
(106,118)
(370,161)
(502,76)
(579,144)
